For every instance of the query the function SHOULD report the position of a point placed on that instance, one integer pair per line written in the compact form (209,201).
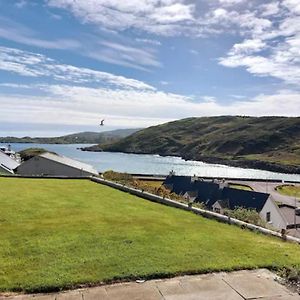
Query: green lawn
(240,187)
(289,190)
(56,234)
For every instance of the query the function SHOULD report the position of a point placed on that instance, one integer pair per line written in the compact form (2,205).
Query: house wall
(217,208)
(4,170)
(41,166)
(277,220)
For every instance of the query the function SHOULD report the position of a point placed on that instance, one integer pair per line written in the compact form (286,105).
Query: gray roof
(69,162)
(7,162)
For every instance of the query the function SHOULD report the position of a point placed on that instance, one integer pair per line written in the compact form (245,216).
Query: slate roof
(180,184)
(209,192)
(7,161)
(69,162)
(246,199)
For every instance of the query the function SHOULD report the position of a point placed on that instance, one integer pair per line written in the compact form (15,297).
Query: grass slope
(264,142)
(57,234)
(289,190)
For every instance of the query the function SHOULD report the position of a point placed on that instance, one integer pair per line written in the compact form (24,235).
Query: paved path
(258,284)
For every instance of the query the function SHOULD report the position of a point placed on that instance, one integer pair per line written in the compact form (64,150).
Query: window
(217,210)
(268,216)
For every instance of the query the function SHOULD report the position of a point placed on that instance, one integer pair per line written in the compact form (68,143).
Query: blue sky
(66,64)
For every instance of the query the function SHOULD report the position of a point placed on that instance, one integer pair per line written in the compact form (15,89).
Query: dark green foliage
(31,152)
(246,215)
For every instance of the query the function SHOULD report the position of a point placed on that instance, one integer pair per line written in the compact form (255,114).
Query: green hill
(271,143)
(75,138)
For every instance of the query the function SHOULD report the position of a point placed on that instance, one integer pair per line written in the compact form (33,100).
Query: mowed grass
(289,190)
(57,234)
(240,187)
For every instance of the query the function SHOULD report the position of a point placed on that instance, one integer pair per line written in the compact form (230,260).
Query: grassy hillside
(267,142)
(57,234)
(75,138)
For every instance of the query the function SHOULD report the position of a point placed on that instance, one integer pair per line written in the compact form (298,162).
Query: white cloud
(77,105)
(292,5)
(275,66)
(124,54)
(164,17)
(121,54)
(209,99)
(30,64)
(21,4)
(270,47)
(231,2)
(149,41)
(16,32)
(270,9)
(193,51)
(248,47)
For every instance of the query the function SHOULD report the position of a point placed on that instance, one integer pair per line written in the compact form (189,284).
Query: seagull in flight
(102,123)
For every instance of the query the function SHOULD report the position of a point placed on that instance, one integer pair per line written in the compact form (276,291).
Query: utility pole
(295,222)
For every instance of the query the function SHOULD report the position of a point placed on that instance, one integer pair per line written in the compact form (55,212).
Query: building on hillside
(291,215)
(194,189)
(230,198)
(208,192)
(7,164)
(261,202)
(218,197)
(178,184)
(49,164)
(12,154)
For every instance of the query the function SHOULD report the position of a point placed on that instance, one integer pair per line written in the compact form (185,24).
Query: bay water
(153,164)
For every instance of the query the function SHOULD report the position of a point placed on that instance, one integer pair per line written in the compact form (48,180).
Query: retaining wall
(45,176)
(161,177)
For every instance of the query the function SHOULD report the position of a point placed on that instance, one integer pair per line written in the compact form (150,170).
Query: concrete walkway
(258,284)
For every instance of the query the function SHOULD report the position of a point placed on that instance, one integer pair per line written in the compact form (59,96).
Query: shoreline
(243,163)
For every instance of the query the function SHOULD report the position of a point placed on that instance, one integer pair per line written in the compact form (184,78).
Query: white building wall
(41,166)
(277,220)
(4,170)
(217,208)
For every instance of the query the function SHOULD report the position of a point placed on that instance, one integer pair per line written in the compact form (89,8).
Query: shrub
(123,178)
(246,215)
(128,180)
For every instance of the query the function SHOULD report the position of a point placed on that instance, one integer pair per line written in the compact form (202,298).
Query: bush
(123,178)
(28,153)
(246,215)
(129,181)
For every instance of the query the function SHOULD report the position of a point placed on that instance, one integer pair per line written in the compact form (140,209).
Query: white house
(272,214)
(7,164)
(49,164)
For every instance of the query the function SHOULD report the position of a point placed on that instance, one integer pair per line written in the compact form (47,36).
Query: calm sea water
(154,164)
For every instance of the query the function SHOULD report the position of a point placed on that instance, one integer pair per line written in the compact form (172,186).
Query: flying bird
(102,123)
